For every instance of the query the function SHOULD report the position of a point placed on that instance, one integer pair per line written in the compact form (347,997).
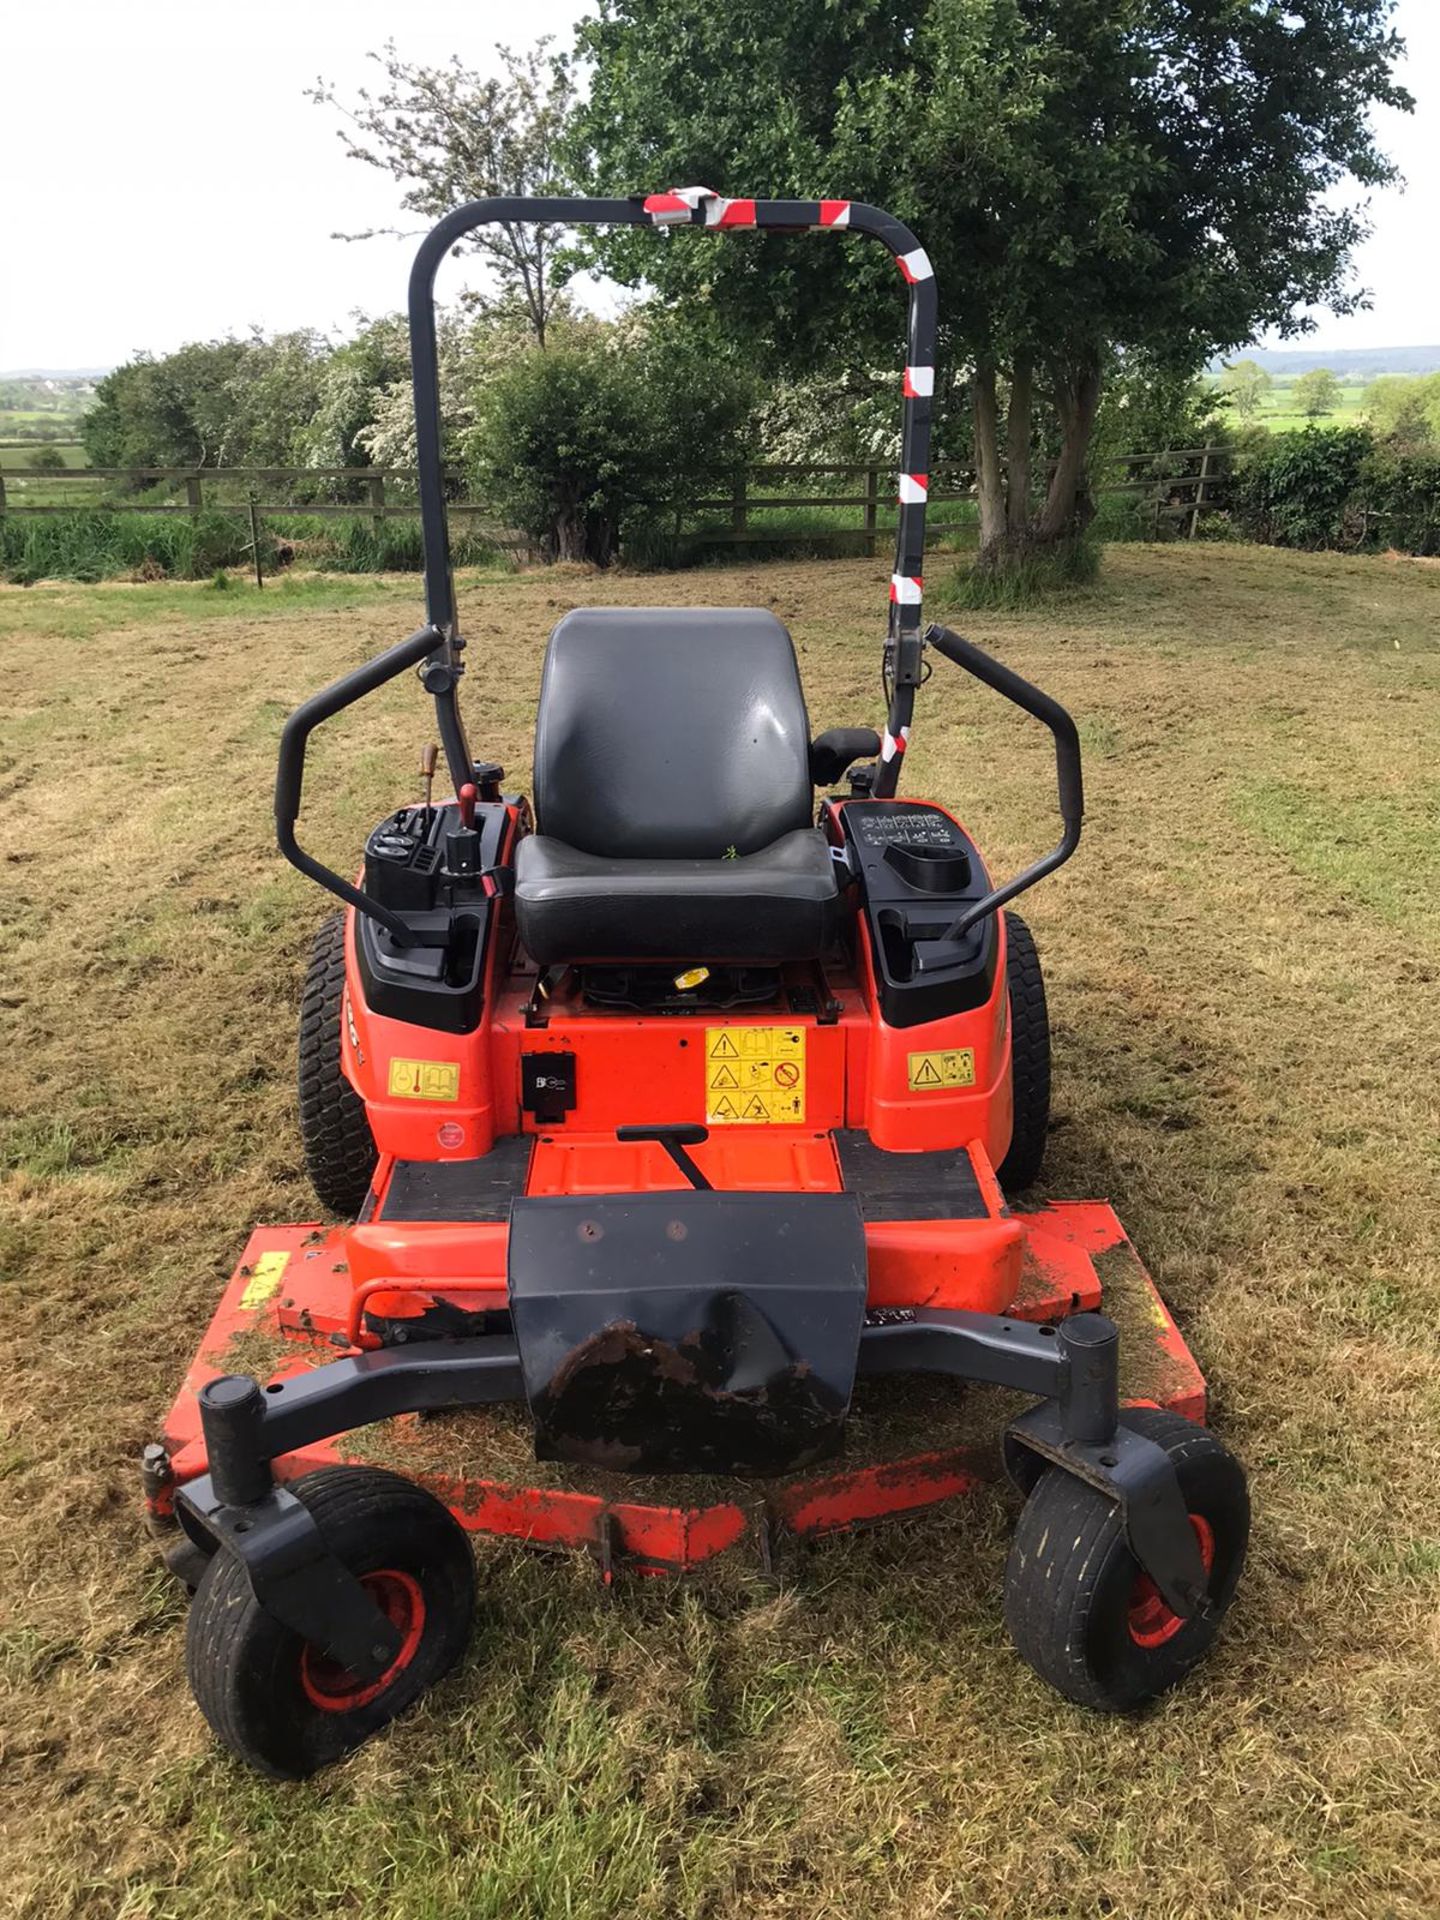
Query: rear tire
(1029,1058)
(1078,1607)
(270,1697)
(339,1146)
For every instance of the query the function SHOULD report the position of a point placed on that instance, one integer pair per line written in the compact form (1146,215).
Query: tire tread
(1029,1057)
(339,1147)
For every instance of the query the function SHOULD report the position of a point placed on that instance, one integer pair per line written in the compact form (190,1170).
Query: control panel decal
(932,1072)
(755,1076)
(424,1080)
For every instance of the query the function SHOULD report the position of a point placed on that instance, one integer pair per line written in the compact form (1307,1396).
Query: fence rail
(1182,484)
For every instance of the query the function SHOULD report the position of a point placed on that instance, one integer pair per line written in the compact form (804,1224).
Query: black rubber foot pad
(459,1190)
(909,1186)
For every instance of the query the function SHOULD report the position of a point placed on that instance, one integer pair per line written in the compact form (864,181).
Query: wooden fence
(1179,485)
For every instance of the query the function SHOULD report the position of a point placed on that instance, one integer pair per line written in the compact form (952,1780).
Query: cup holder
(930,869)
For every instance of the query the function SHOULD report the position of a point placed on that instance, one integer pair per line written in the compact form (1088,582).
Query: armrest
(839,748)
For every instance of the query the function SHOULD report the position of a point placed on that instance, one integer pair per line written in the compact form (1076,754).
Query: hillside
(1351,363)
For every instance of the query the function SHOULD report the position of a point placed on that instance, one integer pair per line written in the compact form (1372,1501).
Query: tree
(1405,409)
(449,135)
(1317,392)
(213,403)
(1153,175)
(602,430)
(1246,383)
(174,411)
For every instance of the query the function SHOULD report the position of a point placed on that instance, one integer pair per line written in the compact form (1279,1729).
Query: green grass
(1279,413)
(1242,964)
(96,545)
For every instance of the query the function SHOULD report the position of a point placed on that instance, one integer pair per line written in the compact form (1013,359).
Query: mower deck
(909,1443)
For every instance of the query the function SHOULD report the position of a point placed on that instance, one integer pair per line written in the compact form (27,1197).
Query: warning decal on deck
(264,1279)
(929,1072)
(424,1080)
(755,1075)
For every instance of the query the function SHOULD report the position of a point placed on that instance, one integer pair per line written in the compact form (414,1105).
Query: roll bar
(692,207)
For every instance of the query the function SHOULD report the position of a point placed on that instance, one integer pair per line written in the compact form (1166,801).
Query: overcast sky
(166,180)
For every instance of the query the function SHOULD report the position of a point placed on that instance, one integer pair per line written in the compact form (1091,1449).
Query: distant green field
(23,430)
(1278,411)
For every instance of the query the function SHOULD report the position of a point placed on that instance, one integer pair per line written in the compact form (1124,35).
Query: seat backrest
(671,733)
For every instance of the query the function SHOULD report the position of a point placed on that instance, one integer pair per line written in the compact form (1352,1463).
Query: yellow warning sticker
(265,1277)
(424,1080)
(929,1072)
(755,1076)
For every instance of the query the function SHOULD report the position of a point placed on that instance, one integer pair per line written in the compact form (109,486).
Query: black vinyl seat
(673,797)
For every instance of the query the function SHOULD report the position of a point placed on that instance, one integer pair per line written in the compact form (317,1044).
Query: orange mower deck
(293,1295)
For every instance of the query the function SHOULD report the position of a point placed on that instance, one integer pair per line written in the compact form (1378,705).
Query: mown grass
(1243,965)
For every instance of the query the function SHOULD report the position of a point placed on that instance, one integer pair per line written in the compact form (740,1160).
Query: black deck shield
(688,1332)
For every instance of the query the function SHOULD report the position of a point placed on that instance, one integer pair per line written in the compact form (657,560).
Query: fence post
(376,484)
(872,502)
(1199,505)
(255,539)
(739,518)
(2,496)
(192,492)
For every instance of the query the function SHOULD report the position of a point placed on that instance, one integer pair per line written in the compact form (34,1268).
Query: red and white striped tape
(915,266)
(675,208)
(914,489)
(890,747)
(834,213)
(905,589)
(919,383)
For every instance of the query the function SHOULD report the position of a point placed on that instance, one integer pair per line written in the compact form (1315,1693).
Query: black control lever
(1004,680)
(675,1139)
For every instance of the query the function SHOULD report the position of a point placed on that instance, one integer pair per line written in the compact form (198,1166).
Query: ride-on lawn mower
(670,1109)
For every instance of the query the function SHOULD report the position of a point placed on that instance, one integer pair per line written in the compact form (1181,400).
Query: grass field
(1280,414)
(1243,966)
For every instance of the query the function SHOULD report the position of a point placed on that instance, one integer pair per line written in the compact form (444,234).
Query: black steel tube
(290,772)
(1042,706)
(970,1346)
(1090,1387)
(232,1415)
(375,1386)
(716,213)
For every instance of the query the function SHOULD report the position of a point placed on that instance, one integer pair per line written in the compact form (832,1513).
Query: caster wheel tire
(339,1147)
(1029,1059)
(1079,1608)
(276,1701)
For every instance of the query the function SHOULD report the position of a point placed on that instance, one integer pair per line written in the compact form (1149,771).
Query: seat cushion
(671,733)
(777,904)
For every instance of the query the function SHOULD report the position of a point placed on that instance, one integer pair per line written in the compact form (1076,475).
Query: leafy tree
(1245,383)
(1317,392)
(169,412)
(602,430)
(274,389)
(47,460)
(1153,175)
(1405,409)
(352,385)
(449,134)
(214,403)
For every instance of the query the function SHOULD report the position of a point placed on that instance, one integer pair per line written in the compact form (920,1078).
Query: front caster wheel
(276,1701)
(1078,1607)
